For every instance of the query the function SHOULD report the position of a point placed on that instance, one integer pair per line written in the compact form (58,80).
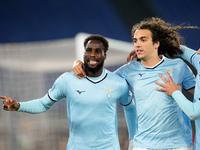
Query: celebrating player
(161,124)
(91,102)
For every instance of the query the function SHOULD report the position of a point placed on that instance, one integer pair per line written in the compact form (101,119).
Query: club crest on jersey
(109,92)
(169,70)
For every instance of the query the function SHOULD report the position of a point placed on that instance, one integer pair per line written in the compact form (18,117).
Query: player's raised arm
(78,69)
(9,104)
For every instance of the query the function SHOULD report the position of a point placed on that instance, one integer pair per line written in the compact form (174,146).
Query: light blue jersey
(161,123)
(193,109)
(91,107)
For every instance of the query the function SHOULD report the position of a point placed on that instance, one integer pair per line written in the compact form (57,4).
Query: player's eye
(88,50)
(98,51)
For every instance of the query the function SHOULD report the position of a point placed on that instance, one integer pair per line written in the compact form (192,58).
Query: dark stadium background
(24,21)
(36,20)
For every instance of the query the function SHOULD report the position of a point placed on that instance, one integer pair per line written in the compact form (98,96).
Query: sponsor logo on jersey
(79,92)
(109,92)
(141,74)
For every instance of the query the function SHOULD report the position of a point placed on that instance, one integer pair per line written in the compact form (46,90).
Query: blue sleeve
(123,71)
(36,106)
(189,80)
(130,115)
(129,109)
(195,61)
(59,88)
(192,110)
(118,72)
(126,96)
(188,53)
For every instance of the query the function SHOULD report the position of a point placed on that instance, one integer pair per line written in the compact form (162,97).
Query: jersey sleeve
(130,111)
(118,72)
(188,53)
(58,90)
(196,61)
(126,96)
(43,104)
(130,115)
(192,110)
(124,70)
(188,79)
(36,106)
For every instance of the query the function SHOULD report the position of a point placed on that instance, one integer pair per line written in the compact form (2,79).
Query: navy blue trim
(192,57)
(126,104)
(190,88)
(51,98)
(97,81)
(156,65)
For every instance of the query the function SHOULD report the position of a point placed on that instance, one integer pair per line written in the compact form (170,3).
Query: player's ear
(105,55)
(157,44)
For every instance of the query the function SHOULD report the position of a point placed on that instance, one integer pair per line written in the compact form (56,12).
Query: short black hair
(97,37)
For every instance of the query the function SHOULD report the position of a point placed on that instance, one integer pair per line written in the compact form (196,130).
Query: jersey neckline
(153,67)
(98,79)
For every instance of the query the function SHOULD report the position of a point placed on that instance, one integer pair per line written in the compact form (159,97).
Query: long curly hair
(163,32)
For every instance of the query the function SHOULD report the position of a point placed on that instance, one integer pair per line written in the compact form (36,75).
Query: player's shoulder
(67,75)
(131,64)
(175,60)
(196,57)
(115,77)
(128,66)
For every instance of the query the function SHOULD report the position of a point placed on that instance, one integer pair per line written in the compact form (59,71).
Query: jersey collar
(98,79)
(161,61)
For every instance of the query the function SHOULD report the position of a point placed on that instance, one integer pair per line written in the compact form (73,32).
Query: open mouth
(139,51)
(92,62)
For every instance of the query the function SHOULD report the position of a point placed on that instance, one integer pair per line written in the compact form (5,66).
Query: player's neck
(94,73)
(151,61)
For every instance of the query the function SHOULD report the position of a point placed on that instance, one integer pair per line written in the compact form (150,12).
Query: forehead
(142,33)
(94,44)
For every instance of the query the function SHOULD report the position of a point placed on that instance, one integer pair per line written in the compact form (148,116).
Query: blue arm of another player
(192,110)
(36,106)
(187,53)
(130,114)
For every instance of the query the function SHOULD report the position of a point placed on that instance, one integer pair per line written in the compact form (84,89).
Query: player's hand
(169,87)
(78,69)
(131,56)
(198,52)
(9,104)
